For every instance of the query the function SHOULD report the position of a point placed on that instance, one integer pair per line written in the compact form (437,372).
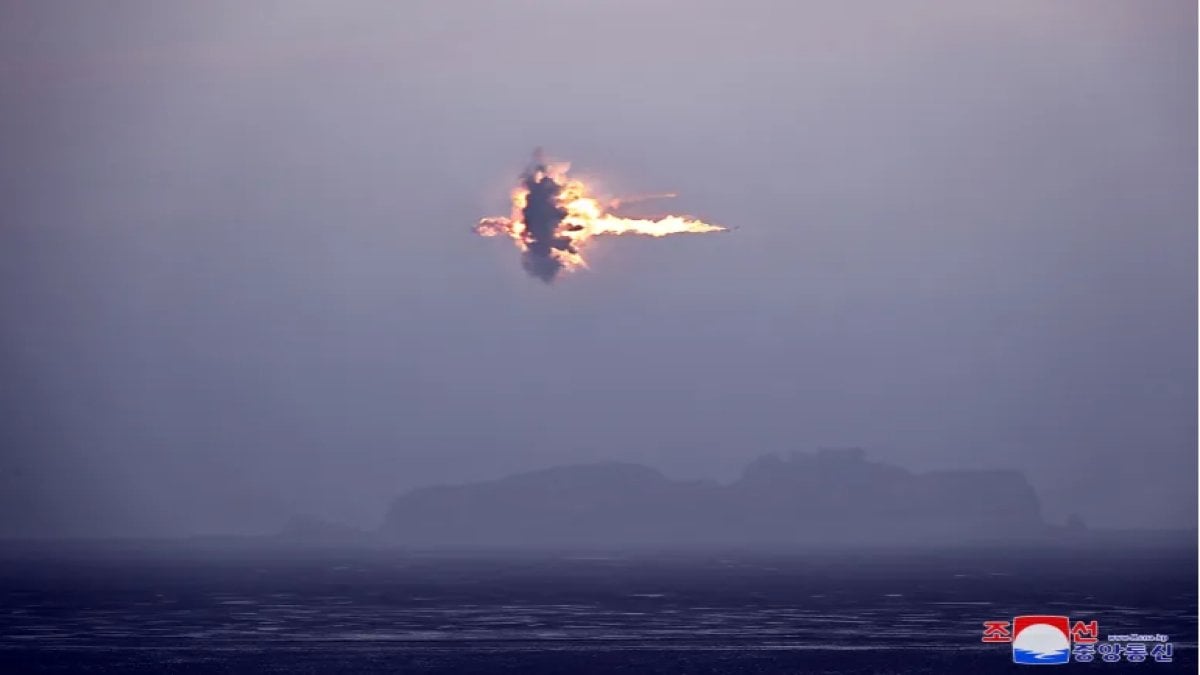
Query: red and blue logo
(1045,640)
(1041,640)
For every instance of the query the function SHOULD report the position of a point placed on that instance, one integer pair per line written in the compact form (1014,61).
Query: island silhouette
(826,497)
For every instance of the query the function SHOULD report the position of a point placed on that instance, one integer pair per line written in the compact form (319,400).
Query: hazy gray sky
(238,279)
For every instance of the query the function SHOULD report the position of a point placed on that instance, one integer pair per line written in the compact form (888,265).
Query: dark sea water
(184,608)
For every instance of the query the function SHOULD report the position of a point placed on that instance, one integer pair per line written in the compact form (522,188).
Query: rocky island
(827,497)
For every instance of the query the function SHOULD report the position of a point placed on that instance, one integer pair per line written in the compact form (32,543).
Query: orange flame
(584,216)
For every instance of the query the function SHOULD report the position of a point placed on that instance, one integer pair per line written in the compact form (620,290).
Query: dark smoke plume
(542,216)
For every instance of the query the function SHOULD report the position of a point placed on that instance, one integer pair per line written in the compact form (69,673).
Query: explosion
(554,216)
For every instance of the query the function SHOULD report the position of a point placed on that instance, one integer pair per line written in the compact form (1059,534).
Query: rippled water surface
(253,608)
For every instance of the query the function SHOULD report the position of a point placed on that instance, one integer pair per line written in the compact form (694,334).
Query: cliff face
(827,497)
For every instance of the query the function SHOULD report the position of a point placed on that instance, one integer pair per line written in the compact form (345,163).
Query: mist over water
(239,284)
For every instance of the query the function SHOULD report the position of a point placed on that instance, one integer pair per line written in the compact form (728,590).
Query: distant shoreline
(1167,540)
